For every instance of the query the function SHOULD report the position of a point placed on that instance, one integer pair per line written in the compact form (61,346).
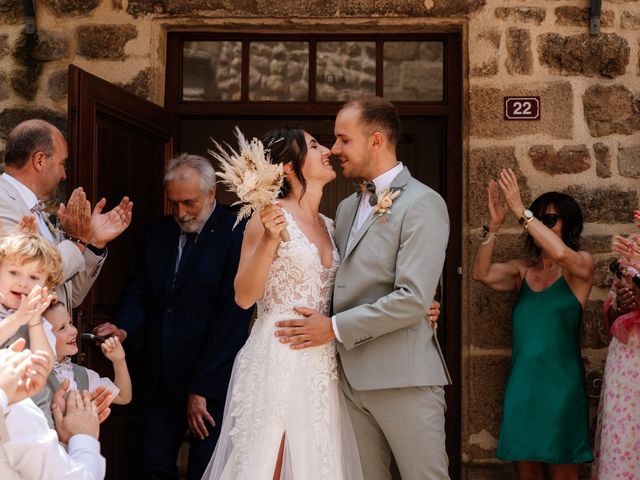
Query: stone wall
(587,141)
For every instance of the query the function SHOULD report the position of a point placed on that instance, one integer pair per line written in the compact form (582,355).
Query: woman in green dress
(544,426)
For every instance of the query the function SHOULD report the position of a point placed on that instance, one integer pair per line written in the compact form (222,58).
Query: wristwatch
(526,217)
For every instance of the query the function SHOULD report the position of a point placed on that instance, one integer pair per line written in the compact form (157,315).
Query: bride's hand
(273,221)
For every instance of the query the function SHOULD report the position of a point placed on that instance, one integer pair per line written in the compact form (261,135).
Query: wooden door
(118,145)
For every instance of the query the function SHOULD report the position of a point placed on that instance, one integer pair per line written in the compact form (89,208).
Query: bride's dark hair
(287,144)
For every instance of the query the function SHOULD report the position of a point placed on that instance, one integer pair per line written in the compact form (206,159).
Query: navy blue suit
(192,330)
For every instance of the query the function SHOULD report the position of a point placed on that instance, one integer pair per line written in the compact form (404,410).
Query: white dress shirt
(31,200)
(364,210)
(34,452)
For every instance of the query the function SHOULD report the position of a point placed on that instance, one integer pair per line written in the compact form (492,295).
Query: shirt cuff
(82,441)
(335,328)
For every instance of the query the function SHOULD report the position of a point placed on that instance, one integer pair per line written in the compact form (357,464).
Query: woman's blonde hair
(25,247)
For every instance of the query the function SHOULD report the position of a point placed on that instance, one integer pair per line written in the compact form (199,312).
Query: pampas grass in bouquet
(249,174)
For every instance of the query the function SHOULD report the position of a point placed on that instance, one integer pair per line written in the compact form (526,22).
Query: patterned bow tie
(366,186)
(40,211)
(39,207)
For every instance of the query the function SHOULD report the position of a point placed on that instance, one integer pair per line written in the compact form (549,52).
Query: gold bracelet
(489,236)
(526,223)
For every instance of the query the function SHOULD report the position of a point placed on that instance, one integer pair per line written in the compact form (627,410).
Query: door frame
(94,102)
(452,181)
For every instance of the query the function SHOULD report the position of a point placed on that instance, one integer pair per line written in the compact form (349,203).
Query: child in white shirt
(29,268)
(82,378)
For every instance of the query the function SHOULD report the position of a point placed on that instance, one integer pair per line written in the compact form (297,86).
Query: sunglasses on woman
(549,219)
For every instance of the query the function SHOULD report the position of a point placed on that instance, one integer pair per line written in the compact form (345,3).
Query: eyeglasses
(549,219)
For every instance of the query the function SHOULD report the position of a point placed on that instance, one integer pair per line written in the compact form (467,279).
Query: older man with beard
(182,297)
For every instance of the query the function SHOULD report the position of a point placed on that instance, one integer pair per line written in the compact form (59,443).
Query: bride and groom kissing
(315,395)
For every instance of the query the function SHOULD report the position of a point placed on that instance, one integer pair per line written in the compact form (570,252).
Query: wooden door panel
(118,145)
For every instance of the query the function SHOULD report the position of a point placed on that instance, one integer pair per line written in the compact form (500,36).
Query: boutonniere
(385,200)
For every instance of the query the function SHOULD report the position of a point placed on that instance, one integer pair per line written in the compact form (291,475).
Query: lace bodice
(276,390)
(297,277)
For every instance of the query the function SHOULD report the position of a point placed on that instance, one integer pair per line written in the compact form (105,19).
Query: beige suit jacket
(384,286)
(80,269)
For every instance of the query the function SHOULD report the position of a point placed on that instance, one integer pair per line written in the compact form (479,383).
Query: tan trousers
(408,422)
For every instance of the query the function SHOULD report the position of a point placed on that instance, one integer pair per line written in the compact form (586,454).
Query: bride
(284,416)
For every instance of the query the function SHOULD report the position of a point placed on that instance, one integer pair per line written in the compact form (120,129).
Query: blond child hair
(25,247)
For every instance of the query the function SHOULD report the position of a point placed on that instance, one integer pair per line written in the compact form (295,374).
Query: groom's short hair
(377,114)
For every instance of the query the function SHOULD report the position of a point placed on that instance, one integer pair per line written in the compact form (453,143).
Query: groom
(392,237)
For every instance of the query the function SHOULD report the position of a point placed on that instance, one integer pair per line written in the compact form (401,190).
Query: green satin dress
(546,414)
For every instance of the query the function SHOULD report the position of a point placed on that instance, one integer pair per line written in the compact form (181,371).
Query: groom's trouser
(406,421)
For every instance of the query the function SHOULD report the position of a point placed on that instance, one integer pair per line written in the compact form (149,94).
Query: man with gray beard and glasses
(181,296)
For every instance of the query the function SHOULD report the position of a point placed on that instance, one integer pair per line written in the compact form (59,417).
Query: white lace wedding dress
(275,390)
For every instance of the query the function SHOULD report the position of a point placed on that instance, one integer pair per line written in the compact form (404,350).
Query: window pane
(211,71)
(413,71)
(345,70)
(279,71)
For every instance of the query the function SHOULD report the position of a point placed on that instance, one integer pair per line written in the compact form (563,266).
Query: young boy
(82,378)
(29,269)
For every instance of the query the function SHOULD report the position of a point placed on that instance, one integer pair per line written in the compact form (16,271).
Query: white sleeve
(34,451)
(96,381)
(48,332)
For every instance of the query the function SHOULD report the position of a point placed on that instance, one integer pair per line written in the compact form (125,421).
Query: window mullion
(380,68)
(313,76)
(244,83)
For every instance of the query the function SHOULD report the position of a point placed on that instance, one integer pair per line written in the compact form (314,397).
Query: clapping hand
(28,224)
(23,373)
(497,208)
(101,396)
(75,217)
(508,183)
(79,416)
(108,226)
(34,376)
(628,248)
(32,306)
(624,294)
(14,362)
